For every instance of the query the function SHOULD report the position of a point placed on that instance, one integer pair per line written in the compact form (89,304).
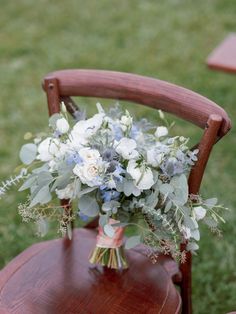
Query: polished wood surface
(56,277)
(140,89)
(223,57)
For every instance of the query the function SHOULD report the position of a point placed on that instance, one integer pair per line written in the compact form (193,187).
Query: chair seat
(56,277)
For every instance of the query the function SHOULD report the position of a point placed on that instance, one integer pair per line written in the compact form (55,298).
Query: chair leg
(186,284)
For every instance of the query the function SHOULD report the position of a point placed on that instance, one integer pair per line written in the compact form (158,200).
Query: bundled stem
(109,251)
(109,257)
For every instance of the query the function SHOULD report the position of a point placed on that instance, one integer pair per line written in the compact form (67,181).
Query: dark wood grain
(223,57)
(139,89)
(56,277)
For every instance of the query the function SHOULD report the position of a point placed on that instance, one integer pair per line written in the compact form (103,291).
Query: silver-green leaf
(88,206)
(132,242)
(28,153)
(42,197)
(109,230)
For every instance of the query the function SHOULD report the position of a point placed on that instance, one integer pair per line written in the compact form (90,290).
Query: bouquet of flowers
(133,175)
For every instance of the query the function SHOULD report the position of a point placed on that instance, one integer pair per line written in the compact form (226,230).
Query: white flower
(199,212)
(84,129)
(90,126)
(62,125)
(161,131)
(141,174)
(126,121)
(126,148)
(89,155)
(90,173)
(47,149)
(66,193)
(154,158)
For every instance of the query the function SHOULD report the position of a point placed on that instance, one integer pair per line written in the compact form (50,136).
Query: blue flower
(108,195)
(83,217)
(109,154)
(117,173)
(74,159)
(57,134)
(134,131)
(118,132)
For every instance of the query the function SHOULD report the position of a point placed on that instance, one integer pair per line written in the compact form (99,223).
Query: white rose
(89,173)
(89,155)
(154,158)
(141,174)
(199,212)
(126,148)
(62,125)
(161,131)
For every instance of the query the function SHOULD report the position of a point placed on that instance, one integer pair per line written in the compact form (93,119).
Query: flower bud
(62,125)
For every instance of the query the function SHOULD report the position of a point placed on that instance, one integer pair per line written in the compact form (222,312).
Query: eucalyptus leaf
(120,224)
(132,242)
(195,234)
(28,153)
(44,178)
(53,120)
(211,202)
(180,185)
(189,222)
(109,230)
(152,199)
(40,169)
(192,246)
(42,197)
(64,168)
(88,205)
(166,188)
(61,182)
(28,183)
(180,197)
(86,191)
(103,220)
(128,187)
(168,206)
(110,206)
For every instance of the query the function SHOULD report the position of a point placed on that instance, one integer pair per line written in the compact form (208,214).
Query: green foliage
(169,40)
(88,205)
(132,242)
(28,153)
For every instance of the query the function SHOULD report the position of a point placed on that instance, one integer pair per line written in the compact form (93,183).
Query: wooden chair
(55,276)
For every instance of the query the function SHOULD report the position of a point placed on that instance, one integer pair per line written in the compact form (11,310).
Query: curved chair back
(190,106)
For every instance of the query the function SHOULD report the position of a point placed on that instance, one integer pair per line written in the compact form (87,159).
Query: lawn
(169,40)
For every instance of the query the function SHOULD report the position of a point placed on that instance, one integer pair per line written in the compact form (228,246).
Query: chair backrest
(154,93)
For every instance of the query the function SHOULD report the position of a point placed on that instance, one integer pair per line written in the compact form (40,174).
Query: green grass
(167,39)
